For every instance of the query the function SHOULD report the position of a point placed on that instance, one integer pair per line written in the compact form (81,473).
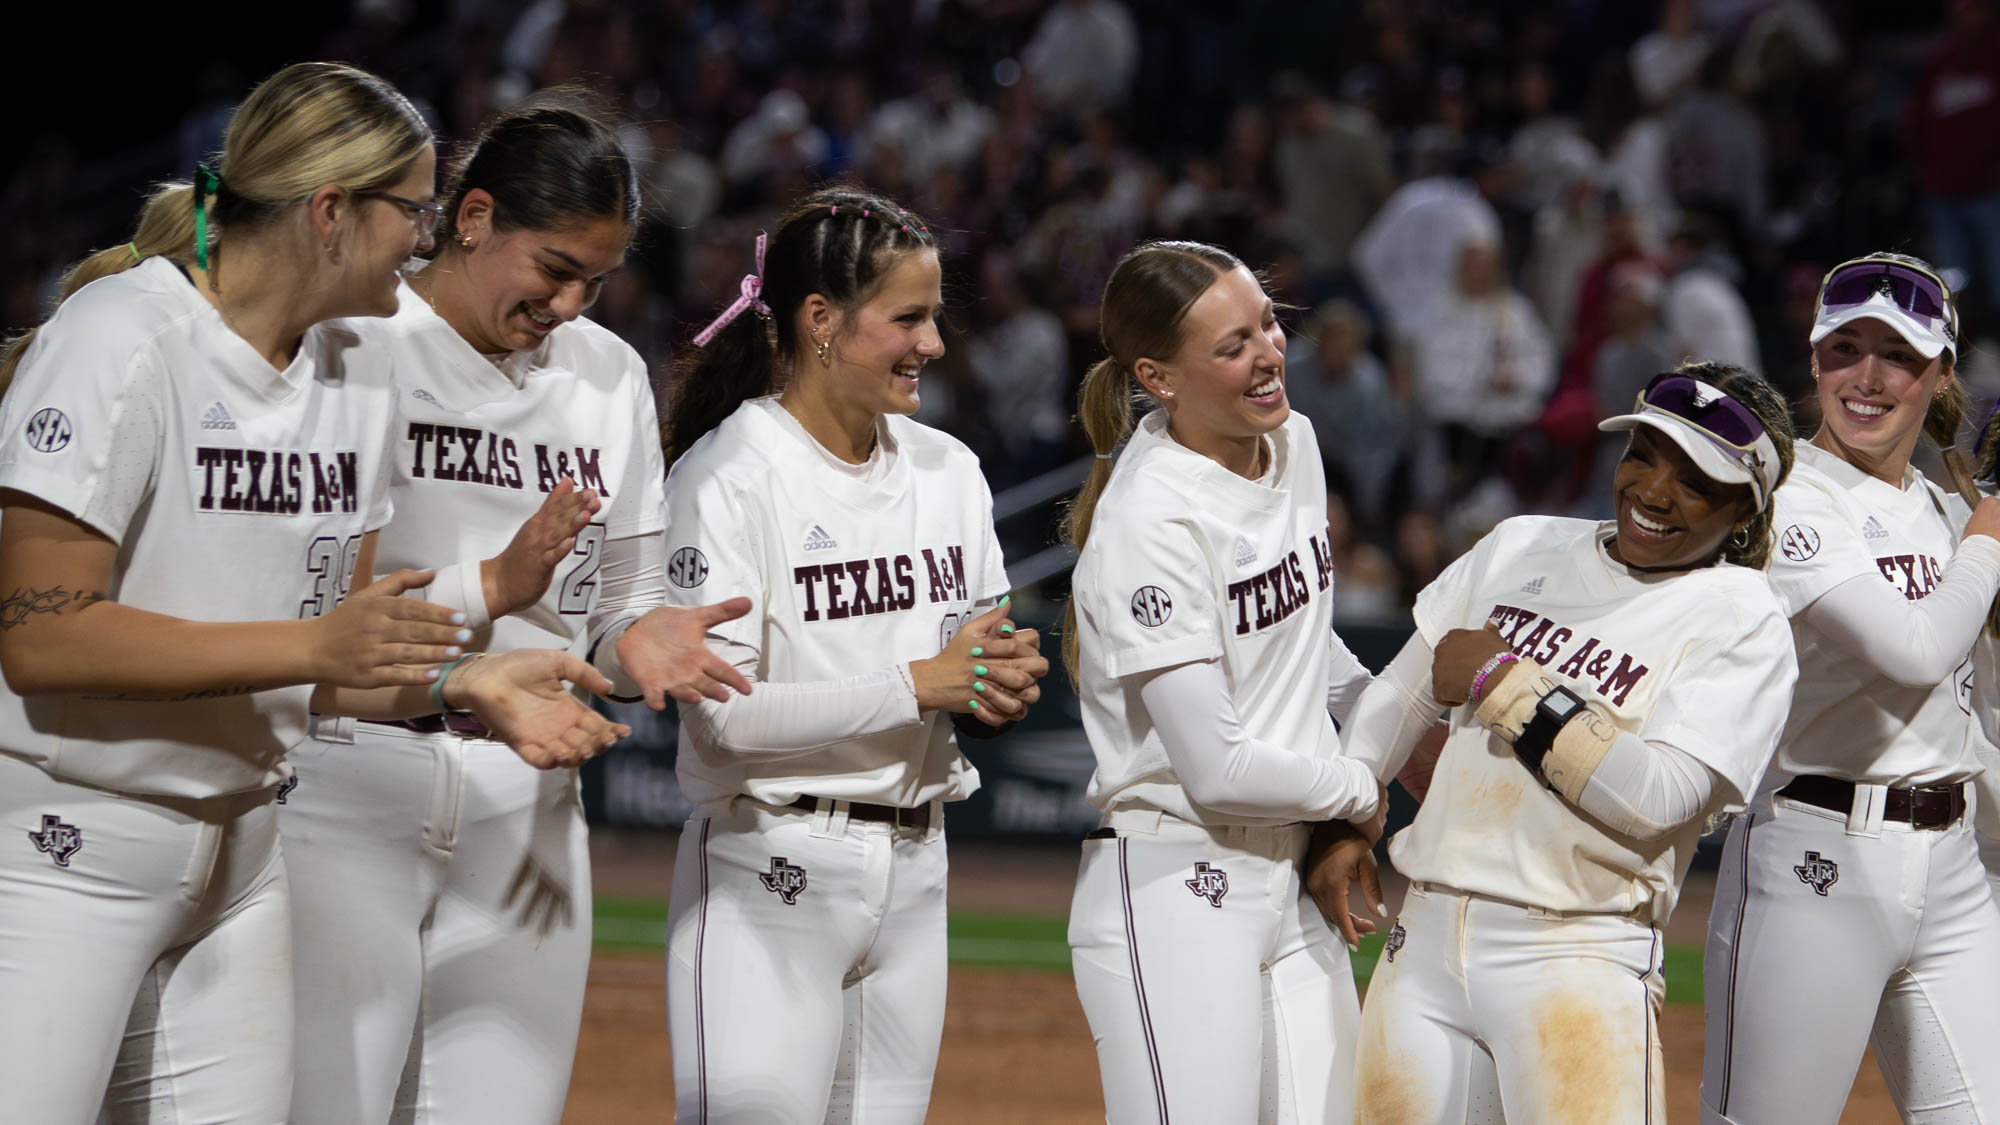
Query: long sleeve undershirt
(1641,789)
(1346,679)
(782,720)
(1915,643)
(1224,769)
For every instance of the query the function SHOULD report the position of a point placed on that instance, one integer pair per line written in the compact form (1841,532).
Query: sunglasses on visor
(1704,407)
(1916,291)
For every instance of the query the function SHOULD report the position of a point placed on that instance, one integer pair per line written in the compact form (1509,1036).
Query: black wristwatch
(1559,706)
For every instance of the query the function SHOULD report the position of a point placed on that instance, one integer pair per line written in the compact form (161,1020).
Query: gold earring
(819,347)
(465,240)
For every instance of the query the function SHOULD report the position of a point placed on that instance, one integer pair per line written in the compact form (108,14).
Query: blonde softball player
(1986,695)
(1206,662)
(806,939)
(189,480)
(1619,682)
(440,886)
(1851,901)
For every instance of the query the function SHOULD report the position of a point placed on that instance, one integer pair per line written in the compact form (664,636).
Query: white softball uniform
(1214,988)
(441,886)
(820,913)
(141,893)
(1830,926)
(1986,706)
(1529,947)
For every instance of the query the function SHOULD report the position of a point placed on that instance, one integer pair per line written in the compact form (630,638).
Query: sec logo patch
(1151,606)
(688,568)
(1799,542)
(48,430)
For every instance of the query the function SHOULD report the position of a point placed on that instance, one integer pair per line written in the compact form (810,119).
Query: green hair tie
(206,183)
(136,256)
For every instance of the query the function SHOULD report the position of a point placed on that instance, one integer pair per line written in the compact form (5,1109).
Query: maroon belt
(1929,806)
(918,818)
(466,726)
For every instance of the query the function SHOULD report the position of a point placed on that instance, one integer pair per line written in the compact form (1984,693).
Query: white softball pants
(1216,993)
(442,909)
(145,957)
(1821,940)
(1561,1011)
(806,967)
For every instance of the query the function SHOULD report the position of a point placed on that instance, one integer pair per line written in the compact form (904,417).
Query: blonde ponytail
(1104,406)
(307,125)
(1145,300)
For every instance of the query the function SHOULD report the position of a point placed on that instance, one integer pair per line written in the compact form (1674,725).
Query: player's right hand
(377,638)
(1340,856)
(517,577)
(1985,519)
(523,698)
(995,686)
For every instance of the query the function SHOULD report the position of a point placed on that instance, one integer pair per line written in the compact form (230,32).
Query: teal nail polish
(1005,598)
(979,669)
(1005,631)
(979,652)
(979,687)
(975,704)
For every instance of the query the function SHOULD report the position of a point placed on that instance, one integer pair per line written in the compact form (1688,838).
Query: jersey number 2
(579,589)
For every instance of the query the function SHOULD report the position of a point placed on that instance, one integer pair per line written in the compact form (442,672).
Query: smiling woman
(1886,579)
(1612,685)
(810,880)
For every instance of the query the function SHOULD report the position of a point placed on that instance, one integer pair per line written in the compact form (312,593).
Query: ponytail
(1145,300)
(1104,406)
(166,227)
(739,363)
(838,242)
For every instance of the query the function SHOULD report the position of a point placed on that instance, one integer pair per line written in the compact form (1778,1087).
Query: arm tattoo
(25,601)
(184,697)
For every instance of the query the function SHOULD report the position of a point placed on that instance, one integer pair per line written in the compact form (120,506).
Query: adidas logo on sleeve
(217,418)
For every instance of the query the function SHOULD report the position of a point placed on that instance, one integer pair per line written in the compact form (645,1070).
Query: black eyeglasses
(425,215)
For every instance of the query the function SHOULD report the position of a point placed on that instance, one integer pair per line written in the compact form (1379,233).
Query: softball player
(1851,897)
(1986,695)
(189,483)
(1622,681)
(441,888)
(1214,990)
(811,880)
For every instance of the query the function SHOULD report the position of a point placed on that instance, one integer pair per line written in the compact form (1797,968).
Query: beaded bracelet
(444,673)
(1479,681)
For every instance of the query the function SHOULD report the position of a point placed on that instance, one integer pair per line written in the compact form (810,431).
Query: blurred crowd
(1491,222)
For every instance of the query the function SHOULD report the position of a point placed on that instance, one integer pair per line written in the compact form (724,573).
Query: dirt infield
(1016,1052)
(1016,1048)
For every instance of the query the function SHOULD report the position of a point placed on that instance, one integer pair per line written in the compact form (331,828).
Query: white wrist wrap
(1508,705)
(1578,749)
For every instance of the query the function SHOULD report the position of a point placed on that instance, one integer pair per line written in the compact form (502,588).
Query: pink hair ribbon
(750,295)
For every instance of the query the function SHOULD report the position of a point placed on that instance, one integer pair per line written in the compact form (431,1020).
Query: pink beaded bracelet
(1479,681)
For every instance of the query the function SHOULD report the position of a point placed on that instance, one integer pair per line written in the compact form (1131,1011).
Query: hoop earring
(465,240)
(1740,539)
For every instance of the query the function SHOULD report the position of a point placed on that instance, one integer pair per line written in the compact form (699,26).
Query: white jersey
(235,492)
(1700,660)
(477,446)
(1835,522)
(1188,561)
(848,571)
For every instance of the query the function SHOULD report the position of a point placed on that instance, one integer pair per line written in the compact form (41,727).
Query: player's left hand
(1459,656)
(523,697)
(1340,856)
(666,653)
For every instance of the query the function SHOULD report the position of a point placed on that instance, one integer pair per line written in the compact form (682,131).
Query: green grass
(1029,941)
